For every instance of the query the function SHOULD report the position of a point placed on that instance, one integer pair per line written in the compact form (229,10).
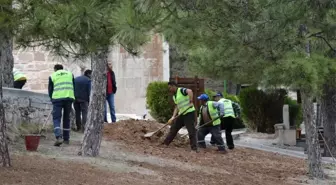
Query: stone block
(40,105)
(23,102)
(285,114)
(279,133)
(39,56)
(290,137)
(26,56)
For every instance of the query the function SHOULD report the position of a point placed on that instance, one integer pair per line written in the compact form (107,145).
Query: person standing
(210,111)
(61,92)
(19,79)
(227,121)
(111,89)
(82,98)
(183,98)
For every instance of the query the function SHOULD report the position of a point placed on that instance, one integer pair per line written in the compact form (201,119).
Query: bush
(295,112)
(261,110)
(231,97)
(210,93)
(158,101)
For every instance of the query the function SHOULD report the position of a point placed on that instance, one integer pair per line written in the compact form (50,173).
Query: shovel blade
(149,134)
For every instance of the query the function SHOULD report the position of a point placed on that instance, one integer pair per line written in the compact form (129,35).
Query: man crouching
(209,122)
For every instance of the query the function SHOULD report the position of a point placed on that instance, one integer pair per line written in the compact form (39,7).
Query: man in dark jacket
(82,98)
(111,89)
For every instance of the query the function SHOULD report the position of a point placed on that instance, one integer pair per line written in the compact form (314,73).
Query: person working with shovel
(209,122)
(183,98)
(228,120)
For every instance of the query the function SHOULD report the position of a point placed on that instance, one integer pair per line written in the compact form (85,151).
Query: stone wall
(23,106)
(132,73)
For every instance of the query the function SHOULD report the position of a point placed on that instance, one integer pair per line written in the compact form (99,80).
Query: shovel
(207,123)
(150,134)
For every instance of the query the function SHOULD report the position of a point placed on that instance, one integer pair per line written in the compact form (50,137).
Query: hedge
(262,110)
(157,99)
(295,112)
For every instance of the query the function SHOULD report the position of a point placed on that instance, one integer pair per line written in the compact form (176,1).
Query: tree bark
(6,59)
(314,152)
(93,131)
(4,153)
(328,112)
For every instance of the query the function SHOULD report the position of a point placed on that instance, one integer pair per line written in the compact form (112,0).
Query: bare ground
(128,158)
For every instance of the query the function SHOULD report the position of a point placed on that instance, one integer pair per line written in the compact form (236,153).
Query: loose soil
(242,166)
(126,157)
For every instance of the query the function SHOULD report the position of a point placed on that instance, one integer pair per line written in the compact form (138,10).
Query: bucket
(32,142)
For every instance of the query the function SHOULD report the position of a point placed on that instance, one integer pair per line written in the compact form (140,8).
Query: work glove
(171,120)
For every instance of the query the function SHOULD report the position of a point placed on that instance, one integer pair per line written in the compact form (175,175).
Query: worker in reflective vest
(210,111)
(19,79)
(183,98)
(228,120)
(61,93)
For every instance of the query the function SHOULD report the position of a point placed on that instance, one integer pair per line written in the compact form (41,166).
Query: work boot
(66,142)
(194,150)
(222,151)
(213,143)
(58,142)
(231,147)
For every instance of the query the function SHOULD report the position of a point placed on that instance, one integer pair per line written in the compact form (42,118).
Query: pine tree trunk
(4,153)
(314,153)
(328,110)
(6,59)
(93,131)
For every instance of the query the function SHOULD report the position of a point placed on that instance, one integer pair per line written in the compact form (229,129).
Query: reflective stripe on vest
(18,75)
(63,85)
(182,102)
(213,113)
(228,109)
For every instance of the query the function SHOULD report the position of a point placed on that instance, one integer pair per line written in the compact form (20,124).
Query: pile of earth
(132,132)
(238,166)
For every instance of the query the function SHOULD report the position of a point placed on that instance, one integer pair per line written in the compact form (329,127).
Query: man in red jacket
(111,89)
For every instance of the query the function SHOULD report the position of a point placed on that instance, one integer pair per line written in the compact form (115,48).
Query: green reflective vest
(213,113)
(18,75)
(182,102)
(63,85)
(228,109)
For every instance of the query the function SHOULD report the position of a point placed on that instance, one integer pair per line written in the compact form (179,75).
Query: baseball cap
(204,97)
(218,94)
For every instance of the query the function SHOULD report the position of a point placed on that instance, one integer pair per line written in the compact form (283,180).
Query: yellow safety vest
(63,85)
(182,102)
(213,113)
(228,109)
(18,75)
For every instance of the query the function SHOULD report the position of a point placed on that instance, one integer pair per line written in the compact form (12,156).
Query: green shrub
(231,97)
(210,93)
(158,101)
(261,110)
(295,112)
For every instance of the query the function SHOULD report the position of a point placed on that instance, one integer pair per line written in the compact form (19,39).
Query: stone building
(133,74)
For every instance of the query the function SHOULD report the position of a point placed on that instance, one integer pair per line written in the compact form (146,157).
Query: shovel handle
(208,123)
(198,127)
(171,120)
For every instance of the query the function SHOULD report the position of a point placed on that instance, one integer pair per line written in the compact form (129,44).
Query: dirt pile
(132,132)
(245,166)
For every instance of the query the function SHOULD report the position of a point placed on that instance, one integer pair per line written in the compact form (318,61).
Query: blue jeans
(64,105)
(110,101)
